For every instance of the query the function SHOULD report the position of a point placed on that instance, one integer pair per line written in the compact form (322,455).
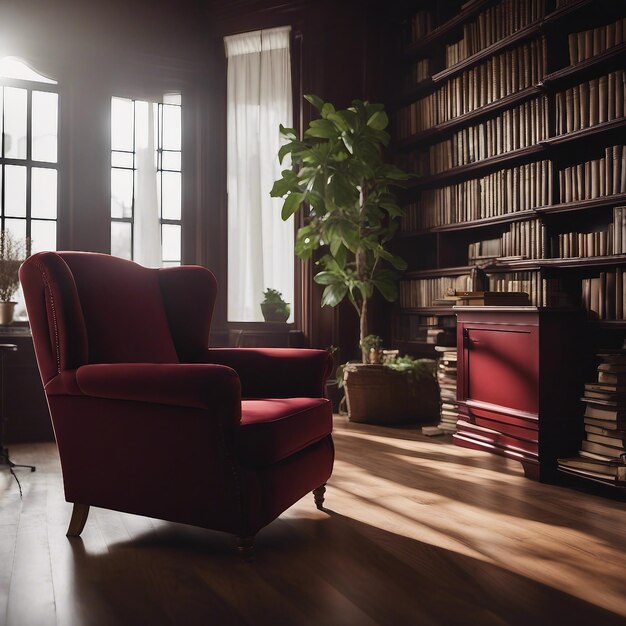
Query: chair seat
(274,429)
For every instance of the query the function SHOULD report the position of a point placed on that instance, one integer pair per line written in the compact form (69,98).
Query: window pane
(43,235)
(15,123)
(122,124)
(43,200)
(45,116)
(121,193)
(121,240)
(15,190)
(122,159)
(172,98)
(170,240)
(170,160)
(1,116)
(171,127)
(17,228)
(171,190)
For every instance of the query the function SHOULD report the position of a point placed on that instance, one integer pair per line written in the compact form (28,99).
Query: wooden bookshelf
(547,199)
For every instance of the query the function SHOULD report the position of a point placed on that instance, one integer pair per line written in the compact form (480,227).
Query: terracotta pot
(7,309)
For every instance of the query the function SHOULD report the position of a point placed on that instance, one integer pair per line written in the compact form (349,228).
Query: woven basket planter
(376,394)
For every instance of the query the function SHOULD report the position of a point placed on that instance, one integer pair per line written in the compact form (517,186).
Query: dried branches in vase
(13,251)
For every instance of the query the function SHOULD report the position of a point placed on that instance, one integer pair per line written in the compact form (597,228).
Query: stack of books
(492,298)
(603,451)
(446,376)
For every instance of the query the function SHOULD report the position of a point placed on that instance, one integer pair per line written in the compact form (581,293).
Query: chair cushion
(274,429)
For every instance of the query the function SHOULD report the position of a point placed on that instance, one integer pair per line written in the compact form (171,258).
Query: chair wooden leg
(318,494)
(77,522)
(245,547)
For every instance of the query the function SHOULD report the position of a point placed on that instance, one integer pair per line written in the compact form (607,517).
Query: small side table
(4,452)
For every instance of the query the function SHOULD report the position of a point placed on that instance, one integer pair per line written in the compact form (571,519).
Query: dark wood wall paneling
(140,49)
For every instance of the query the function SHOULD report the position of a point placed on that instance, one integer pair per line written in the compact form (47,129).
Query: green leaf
(378,121)
(317,102)
(348,142)
(341,256)
(386,282)
(327,278)
(327,110)
(289,133)
(334,294)
(291,205)
(322,129)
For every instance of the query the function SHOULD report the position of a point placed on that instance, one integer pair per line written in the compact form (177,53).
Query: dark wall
(141,48)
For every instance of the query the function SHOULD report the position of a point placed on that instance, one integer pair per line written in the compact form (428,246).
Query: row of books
(588,43)
(604,296)
(426,328)
(591,103)
(520,127)
(417,26)
(506,191)
(595,179)
(420,71)
(523,240)
(597,243)
(500,76)
(424,292)
(525,282)
(602,454)
(574,245)
(495,23)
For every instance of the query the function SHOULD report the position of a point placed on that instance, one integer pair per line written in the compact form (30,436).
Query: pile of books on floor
(446,376)
(603,451)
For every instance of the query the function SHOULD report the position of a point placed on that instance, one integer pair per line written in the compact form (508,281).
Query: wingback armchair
(149,420)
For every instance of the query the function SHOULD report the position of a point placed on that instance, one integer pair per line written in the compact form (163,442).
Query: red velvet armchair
(149,420)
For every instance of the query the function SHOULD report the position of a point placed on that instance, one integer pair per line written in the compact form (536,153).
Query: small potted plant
(12,254)
(273,307)
(372,347)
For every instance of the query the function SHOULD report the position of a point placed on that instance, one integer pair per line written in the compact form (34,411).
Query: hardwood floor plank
(416,531)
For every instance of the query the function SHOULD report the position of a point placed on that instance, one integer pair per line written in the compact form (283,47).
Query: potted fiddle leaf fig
(343,185)
(344,188)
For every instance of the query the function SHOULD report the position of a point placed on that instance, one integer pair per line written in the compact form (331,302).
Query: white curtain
(147,230)
(259,98)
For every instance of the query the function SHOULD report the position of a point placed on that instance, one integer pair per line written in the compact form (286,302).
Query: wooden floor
(417,531)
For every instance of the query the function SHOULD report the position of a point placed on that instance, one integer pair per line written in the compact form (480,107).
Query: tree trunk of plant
(363,330)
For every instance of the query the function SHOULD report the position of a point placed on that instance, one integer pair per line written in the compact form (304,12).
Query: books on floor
(446,377)
(602,454)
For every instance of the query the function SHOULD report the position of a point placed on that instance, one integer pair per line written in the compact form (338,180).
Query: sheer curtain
(147,231)
(259,99)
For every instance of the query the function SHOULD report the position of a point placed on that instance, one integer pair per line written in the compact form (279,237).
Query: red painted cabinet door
(501,366)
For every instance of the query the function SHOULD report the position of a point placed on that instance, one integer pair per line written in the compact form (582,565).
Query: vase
(7,309)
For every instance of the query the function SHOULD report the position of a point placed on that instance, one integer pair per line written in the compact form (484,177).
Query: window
(259,99)
(29,104)
(146,180)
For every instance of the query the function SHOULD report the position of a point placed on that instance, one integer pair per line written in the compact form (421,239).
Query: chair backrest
(94,308)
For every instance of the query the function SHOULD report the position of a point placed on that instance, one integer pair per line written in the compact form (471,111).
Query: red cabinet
(519,382)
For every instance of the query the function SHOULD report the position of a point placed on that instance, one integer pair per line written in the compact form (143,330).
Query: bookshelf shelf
(533,30)
(586,133)
(419,47)
(583,205)
(558,77)
(466,171)
(571,72)
(473,116)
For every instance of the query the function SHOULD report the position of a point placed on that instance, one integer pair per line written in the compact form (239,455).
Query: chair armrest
(196,386)
(275,372)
